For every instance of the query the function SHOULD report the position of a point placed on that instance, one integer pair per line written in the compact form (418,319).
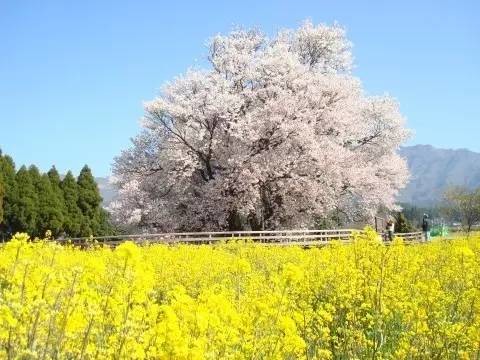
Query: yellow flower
(240,300)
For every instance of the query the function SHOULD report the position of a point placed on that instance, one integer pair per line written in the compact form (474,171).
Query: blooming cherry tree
(276,134)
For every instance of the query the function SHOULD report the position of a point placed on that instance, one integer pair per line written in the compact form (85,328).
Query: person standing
(426,227)
(390,229)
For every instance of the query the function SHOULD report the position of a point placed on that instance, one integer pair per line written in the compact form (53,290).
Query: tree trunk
(234,221)
(255,225)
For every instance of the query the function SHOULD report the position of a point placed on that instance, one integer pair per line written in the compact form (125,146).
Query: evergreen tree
(54,176)
(88,195)
(7,178)
(2,194)
(95,218)
(402,225)
(35,175)
(88,201)
(105,226)
(55,182)
(25,202)
(50,204)
(73,215)
(34,203)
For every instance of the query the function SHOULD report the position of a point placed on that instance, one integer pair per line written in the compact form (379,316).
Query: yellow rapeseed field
(240,301)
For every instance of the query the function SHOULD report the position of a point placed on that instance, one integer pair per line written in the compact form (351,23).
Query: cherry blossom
(277,133)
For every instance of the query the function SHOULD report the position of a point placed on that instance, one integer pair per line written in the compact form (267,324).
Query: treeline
(34,202)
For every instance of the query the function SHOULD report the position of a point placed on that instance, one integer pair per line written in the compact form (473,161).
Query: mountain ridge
(432,171)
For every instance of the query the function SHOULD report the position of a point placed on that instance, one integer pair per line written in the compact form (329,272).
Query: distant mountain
(107,190)
(432,171)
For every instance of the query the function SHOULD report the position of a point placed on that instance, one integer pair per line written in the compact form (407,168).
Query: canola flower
(240,301)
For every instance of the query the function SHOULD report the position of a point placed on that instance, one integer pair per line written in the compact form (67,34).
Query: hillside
(107,190)
(432,170)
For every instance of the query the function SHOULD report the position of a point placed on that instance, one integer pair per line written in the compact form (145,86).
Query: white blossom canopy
(277,134)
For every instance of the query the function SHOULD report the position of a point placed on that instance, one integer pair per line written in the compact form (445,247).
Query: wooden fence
(273,237)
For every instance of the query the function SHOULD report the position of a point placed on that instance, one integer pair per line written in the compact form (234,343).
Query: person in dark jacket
(390,229)
(426,227)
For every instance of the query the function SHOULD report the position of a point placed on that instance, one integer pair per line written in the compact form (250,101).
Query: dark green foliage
(54,176)
(50,207)
(402,225)
(7,178)
(414,214)
(105,226)
(2,194)
(35,202)
(57,200)
(89,201)
(25,202)
(89,198)
(73,215)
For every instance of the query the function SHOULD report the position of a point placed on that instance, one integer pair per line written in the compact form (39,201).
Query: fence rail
(270,237)
(413,236)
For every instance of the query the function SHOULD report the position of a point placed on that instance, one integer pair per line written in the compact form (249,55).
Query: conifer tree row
(33,202)
(2,194)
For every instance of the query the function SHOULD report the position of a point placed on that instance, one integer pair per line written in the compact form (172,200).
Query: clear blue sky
(74,74)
